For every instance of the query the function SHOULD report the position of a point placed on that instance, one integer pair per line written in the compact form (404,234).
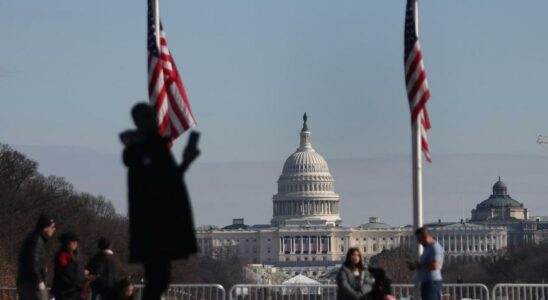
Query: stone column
(318,244)
(473,243)
(322,208)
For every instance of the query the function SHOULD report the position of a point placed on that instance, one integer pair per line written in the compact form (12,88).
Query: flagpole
(156,8)
(417,191)
(417,172)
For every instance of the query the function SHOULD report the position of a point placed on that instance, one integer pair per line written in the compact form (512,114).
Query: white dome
(306,161)
(306,189)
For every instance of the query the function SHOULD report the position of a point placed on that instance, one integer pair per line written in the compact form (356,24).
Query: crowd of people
(72,280)
(160,223)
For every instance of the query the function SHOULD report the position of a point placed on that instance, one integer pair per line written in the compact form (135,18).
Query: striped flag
(165,87)
(415,76)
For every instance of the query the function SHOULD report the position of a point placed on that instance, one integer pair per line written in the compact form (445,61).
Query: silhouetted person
(429,265)
(160,216)
(32,262)
(102,270)
(351,281)
(68,276)
(381,286)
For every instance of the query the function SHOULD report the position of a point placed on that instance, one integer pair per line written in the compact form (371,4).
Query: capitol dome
(305,161)
(306,194)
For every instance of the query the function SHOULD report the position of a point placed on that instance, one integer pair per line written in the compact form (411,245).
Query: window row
(310,187)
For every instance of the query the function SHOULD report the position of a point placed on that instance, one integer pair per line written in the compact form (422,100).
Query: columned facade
(305,236)
(306,190)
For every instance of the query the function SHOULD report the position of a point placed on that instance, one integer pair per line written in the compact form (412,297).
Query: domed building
(499,206)
(306,236)
(306,189)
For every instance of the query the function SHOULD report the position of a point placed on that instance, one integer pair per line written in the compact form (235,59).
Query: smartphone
(193,139)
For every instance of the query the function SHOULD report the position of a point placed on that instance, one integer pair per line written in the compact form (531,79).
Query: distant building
(306,189)
(499,206)
(305,236)
(500,209)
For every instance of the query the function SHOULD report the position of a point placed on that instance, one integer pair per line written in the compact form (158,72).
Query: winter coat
(102,266)
(349,287)
(68,277)
(160,216)
(33,257)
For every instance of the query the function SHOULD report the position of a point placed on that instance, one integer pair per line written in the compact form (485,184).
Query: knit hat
(103,243)
(44,221)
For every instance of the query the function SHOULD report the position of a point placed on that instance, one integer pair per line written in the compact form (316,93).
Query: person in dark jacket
(160,216)
(381,287)
(102,270)
(32,261)
(351,279)
(68,277)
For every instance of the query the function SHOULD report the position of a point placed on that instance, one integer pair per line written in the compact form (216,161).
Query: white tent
(301,284)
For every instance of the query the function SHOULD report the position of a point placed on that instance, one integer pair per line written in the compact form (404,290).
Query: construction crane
(542,139)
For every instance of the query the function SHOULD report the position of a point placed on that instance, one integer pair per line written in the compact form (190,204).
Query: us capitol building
(305,236)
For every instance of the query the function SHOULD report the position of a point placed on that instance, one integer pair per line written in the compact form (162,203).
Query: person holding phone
(160,216)
(429,265)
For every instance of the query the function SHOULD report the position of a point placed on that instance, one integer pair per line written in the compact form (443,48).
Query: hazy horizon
(453,184)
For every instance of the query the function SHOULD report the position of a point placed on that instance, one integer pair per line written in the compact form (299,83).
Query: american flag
(415,76)
(165,88)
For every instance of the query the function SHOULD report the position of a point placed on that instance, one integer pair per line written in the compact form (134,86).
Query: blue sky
(71,70)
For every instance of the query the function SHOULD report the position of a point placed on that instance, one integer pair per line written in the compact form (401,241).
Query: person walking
(160,216)
(102,271)
(429,266)
(32,261)
(68,277)
(351,281)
